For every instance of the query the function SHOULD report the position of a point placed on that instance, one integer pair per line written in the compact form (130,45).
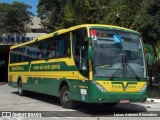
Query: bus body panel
(46,76)
(88,92)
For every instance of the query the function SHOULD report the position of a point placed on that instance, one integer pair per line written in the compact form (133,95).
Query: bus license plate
(124,101)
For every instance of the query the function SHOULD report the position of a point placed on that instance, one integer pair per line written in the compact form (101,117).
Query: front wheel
(20,90)
(65,98)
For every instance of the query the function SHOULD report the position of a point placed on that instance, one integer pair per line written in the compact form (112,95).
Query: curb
(2,83)
(153,100)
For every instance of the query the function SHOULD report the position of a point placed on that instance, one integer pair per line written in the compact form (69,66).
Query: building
(33,31)
(6,41)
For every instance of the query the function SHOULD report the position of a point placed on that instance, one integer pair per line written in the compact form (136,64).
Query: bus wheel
(20,90)
(65,98)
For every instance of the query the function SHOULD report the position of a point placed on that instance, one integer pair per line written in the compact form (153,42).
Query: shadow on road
(86,109)
(42,97)
(99,110)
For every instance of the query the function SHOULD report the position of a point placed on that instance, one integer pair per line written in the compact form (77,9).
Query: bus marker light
(100,99)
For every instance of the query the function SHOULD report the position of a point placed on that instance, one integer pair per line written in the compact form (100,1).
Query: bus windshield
(125,59)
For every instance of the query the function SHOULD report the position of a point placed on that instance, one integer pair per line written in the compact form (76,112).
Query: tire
(20,89)
(65,98)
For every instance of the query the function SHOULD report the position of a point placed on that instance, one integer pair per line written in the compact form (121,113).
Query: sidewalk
(153,100)
(2,83)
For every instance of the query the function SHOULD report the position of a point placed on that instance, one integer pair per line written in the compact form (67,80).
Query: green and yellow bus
(90,63)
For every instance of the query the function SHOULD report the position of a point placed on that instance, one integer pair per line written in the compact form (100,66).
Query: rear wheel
(20,90)
(65,98)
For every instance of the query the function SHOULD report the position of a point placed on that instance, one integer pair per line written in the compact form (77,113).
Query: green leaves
(138,15)
(14,17)
(59,14)
(143,16)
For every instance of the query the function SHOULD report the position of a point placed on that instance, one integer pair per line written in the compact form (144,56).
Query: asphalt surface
(50,108)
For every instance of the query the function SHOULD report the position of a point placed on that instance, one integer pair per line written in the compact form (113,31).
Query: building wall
(7,40)
(34,31)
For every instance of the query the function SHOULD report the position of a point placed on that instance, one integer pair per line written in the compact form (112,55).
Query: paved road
(11,101)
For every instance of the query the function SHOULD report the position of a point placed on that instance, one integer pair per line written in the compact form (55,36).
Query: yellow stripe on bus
(57,74)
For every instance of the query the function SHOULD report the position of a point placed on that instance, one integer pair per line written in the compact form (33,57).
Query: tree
(141,16)
(51,13)
(14,17)
(122,12)
(84,11)
(59,14)
(147,22)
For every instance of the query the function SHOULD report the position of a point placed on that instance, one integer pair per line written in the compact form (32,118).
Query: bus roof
(111,27)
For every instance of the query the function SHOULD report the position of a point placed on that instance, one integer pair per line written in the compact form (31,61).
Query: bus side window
(52,50)
(67,45)
(60,51)
(45,49)
(63,45)
(57,46)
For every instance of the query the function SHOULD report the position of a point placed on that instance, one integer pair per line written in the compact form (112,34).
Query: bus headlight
(100,87)
(143,88)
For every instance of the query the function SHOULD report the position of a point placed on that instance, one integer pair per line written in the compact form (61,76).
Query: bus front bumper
(118,97)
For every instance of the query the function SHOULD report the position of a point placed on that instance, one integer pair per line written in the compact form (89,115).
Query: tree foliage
(138,15)
(14,17)
(148,21)
(51,13)
(57,14)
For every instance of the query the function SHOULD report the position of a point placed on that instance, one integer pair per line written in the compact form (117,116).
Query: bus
(90,63)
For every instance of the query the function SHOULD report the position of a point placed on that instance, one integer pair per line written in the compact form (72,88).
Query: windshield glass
(124,58)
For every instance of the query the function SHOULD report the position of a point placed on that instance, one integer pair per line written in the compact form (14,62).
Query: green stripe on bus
(19,68)
(55,66)
(48,86)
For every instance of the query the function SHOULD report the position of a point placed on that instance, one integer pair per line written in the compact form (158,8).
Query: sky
(32,3)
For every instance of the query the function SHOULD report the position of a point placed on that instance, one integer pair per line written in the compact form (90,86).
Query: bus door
(80,51)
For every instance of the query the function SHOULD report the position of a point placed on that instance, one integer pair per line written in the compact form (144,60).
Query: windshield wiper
(125,65)
(113,75)
(137,77)
(103,67)
(124,68)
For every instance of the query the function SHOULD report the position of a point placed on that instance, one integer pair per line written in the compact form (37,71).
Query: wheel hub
(66,97)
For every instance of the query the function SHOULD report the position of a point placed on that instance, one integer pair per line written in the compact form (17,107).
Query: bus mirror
(87,38)
(90,53)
